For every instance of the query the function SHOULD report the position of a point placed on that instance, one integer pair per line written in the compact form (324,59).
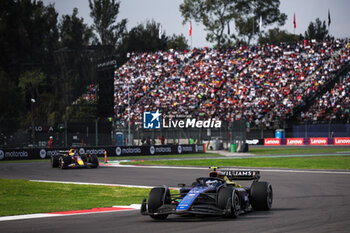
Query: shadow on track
(193,218)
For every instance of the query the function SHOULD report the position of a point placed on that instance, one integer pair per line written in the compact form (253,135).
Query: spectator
(262,83)
(50,142)
(162,140)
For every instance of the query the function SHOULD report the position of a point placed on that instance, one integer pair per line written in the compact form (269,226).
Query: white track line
(48,215)
(26,216)
(86,183)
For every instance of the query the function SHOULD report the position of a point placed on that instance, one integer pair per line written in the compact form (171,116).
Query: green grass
(315,162)
(27,197)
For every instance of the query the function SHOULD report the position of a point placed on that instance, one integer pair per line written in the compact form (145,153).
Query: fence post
(96,130)
(305,129)
(65,133)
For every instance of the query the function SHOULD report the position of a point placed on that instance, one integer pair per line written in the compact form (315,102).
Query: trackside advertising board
(272,141)
(322,141)
(42,153)
(342,141)
(318,141)
(295,141)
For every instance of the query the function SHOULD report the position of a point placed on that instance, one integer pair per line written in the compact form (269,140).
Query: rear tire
(54,161)
(155,200)
(94,161)
(261,195)
(228,198)
(84,158)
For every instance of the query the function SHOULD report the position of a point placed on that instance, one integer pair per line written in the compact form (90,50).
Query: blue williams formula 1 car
(217,194)
(72,159)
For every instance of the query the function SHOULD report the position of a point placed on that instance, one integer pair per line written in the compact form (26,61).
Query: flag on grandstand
(329,18)
(294,23)
(160,31)
(190,29)
(260,24)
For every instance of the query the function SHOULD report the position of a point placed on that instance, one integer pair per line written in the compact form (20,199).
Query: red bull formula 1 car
(217,194)
(71,159)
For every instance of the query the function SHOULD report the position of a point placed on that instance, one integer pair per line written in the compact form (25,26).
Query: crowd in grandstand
(333,105)
(261,83)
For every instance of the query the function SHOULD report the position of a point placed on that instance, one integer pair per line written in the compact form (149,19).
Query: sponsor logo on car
(238,173)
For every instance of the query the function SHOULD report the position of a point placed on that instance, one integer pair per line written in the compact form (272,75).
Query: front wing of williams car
(217,194)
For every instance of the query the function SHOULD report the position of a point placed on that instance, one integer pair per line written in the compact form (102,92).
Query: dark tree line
(47,61)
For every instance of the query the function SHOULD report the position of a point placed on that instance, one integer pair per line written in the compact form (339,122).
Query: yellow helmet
(71,152)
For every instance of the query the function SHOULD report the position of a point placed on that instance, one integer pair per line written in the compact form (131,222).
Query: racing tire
(63,162)
(94,161)
(84,158)
(229,199)
(156,199)
(54,161)
(261,195)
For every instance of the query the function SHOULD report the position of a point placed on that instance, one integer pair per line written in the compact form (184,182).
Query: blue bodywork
(213,195)
(191,196)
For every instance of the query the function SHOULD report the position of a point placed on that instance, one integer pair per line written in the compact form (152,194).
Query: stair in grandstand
(335,77)
(309,100)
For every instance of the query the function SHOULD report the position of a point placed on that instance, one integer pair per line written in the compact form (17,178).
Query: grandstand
(266,85)
(334,105)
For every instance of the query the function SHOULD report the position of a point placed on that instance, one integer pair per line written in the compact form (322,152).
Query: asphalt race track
(303,202)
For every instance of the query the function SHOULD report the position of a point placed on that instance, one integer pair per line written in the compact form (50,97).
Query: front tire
(156,199)
(229,200)
(261,195)
(54,161)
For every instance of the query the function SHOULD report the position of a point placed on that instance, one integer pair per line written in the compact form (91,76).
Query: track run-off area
(304,201)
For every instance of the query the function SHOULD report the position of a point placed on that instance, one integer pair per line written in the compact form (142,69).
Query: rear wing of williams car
(235,174)
(241,175)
